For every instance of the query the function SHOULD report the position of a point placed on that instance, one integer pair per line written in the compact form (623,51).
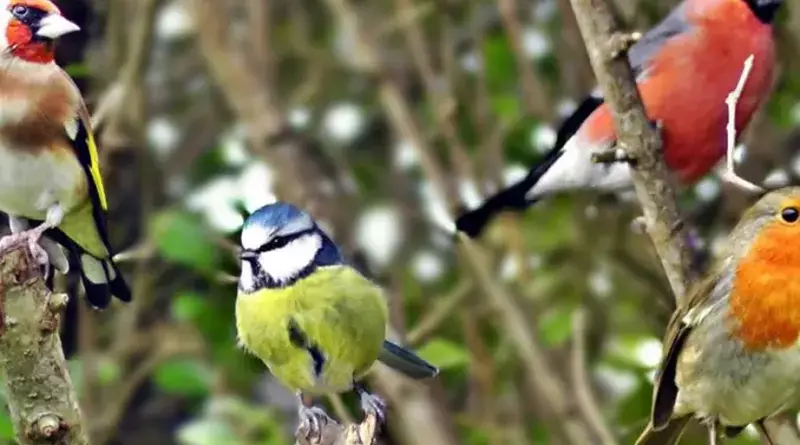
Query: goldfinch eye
(790,214)
(20,11)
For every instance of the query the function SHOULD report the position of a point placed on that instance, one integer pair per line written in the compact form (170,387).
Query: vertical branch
(607,47)
(536,96)
(607,52)
(440,98)
(42,402)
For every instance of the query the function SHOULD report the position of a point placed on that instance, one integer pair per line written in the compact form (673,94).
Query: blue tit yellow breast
(339,314)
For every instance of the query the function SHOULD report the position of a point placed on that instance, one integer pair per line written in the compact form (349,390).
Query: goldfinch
(49,173)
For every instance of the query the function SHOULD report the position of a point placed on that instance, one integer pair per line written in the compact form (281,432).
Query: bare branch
(640,141)
(550,388)
(583,386)
(364,433)
(729,175)
(42,402)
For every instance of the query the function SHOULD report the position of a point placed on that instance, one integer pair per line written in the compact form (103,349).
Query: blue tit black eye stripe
(282,240)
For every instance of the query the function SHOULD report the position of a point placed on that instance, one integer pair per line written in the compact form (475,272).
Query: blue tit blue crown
(282,244)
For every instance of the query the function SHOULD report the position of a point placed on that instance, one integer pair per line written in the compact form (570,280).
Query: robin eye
(20,11)
(790,214)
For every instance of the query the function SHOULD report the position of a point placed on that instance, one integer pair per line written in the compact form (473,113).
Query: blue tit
(315,321)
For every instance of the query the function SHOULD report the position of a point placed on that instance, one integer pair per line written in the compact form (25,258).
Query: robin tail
(670,434)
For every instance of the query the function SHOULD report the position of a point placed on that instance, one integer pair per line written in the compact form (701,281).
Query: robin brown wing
(665,391)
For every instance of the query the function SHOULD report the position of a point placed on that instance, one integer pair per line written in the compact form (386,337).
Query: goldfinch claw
(31,237)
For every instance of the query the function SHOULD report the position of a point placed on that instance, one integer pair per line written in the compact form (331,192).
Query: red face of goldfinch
(31,29)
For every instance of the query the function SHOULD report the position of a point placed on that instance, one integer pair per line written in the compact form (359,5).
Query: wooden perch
(42,402)
(364,433)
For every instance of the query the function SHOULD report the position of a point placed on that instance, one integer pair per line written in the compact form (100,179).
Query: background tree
(377,116)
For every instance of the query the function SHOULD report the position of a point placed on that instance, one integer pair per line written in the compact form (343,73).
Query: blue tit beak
(247,255)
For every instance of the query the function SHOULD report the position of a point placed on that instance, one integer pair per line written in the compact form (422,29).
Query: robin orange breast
(731,353)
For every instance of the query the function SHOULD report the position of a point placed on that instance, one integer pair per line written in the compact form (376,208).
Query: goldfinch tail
(405,361)
(101,279)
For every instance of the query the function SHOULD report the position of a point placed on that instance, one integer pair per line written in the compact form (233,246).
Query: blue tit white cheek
(246,278)
(286,263)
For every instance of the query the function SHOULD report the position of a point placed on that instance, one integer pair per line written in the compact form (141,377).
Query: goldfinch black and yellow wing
(83,230)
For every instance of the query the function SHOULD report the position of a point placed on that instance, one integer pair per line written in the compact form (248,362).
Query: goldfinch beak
(54,26)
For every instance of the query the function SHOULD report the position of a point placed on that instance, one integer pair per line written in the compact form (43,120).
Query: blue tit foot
(312,421)
(371,404)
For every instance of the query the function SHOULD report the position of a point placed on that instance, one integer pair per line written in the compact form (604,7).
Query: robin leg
(312,419)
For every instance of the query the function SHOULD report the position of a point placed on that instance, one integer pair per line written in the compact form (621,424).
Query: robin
(731,352)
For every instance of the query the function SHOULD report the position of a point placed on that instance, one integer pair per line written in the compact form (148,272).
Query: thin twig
(729,175)
(583,386)
(607,48)
(444,309)
(544,379)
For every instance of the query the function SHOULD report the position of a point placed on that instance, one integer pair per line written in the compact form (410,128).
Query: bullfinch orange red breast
(685,67)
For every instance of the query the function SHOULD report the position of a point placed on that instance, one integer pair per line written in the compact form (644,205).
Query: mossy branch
(42,402)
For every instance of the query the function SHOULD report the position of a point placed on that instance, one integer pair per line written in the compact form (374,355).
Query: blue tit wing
(405,361)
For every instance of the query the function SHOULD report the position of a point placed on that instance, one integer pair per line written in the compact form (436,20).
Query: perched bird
(731,351)
(316,322)
(685,67)
(49,171)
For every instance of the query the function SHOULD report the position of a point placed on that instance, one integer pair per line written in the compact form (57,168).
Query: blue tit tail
(405,361)
(101,279)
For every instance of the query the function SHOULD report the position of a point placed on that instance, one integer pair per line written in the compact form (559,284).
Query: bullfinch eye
(20,11)
(790,214)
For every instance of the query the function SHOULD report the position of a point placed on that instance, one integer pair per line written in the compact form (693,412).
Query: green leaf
(444,353)
(500,63)
(77,70)
(555,326)
(184,377)
(208,432)
(181,237)
(188,307)
(108,371)
(6,426)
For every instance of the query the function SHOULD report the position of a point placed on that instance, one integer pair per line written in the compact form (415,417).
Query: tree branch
(607,48)
(42,402)
(364,433)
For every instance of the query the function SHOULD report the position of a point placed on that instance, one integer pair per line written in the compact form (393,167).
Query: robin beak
(54,26)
